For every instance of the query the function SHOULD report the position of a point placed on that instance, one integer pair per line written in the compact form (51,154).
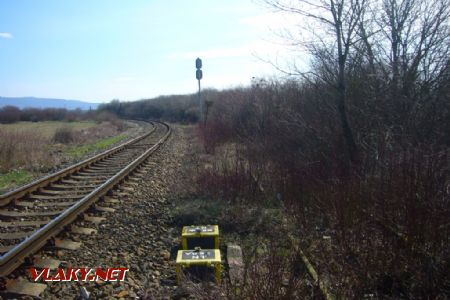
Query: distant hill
(26,102)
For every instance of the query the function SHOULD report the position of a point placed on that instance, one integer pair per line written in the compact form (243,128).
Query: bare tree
(403,44)
(407,45)
(418,36)
(335,35)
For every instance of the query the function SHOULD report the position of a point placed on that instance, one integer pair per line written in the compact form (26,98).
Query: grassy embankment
(80,151)
(14,178)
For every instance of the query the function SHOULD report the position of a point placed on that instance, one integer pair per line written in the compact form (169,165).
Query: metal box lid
(200,230)
(198,257)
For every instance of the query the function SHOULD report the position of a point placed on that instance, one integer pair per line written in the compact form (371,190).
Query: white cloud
(6,35)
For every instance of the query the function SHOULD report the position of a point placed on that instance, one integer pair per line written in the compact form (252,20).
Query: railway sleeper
(116,158)
(15,235)
(71,187)
(82,230)
(95,168)
(112,166)
(104,209)
(88,172)
(120,164)
(71,191)
(76,182)
(93,219)
(36,223)
(89,177)
(55,197)
(44,204)
(13,213)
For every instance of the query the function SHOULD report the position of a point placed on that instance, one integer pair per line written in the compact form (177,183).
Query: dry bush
(67,135)
(18,148)
(64,135)
(230,181)
(105,116)
(364,216)
(276,273)
(94,133)
(112,118)
(119,124)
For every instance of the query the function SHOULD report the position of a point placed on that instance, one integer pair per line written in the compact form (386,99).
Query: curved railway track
(34,214)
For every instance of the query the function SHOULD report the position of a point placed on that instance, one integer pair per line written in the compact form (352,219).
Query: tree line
(172,108)
(11,114)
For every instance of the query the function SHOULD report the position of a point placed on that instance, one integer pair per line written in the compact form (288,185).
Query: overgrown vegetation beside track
(259,227)
(376,226)
(355,153)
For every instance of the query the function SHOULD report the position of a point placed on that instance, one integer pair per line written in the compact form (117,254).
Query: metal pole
(200,102)
(199,75)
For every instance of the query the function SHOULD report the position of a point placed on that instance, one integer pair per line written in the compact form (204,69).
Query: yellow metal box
(199,263)
(203,236)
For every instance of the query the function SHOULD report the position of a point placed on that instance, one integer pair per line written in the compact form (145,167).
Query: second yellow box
(203,236)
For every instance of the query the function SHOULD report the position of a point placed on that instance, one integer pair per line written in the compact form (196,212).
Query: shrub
(64,135)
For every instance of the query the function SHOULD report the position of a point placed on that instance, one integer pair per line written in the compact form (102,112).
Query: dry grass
(47,129)
(37,147)
(23,148)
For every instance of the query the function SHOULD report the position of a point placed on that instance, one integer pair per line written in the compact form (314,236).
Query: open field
(30,149)
(47,128)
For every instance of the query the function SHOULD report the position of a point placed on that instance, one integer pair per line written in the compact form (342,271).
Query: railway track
(36,213)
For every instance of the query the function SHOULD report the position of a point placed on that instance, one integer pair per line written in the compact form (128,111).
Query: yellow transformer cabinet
(205,237)
(199,263)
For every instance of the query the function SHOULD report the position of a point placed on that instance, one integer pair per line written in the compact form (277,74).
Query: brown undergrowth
(377,227)
(212,193)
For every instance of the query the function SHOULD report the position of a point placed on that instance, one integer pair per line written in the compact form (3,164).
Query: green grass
(79,151)
(13,179)
(47,128)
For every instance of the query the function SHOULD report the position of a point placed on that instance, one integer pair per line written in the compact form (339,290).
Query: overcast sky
(99,50)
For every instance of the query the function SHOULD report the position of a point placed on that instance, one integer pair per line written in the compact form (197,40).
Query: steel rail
(15,257)
(22,191)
